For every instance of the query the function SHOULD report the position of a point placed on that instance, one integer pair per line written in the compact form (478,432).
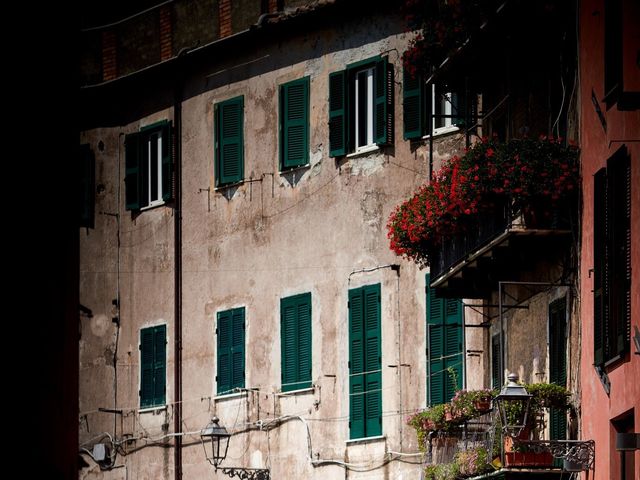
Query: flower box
(528,459)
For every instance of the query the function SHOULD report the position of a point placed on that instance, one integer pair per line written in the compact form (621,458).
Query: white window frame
(369,142)
(446,102)
(153,202)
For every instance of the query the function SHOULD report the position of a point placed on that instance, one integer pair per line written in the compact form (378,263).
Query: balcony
(497,244)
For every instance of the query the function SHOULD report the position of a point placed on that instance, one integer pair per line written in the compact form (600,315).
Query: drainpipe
(177,245)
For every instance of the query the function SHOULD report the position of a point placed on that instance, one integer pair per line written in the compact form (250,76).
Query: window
(612,258)
(295,338)
(294,124)
(361,107)
(87,187)
(153,348)
(365,362)
(429,109)
(229,143)
(558,363)
(148,176)
(444,347)
(230,332)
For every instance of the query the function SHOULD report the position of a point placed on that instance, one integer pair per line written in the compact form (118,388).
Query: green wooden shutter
(458,109)
(159,367)
(87,187)
(383,120)
(496,362)
(437,375)
(356,364)
(294,123)
(304,341)
(167,162)
(412,95)
(453,346)
(289,341)
(133,178)
(558,364)
(223,378)
(146,367)
(600,265)
(373,361)
(237,348)
(229,141)
(619,260)
(337,114)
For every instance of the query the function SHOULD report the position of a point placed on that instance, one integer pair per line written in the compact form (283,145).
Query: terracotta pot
(482,405)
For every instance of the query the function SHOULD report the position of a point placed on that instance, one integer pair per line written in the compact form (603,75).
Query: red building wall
(599,410)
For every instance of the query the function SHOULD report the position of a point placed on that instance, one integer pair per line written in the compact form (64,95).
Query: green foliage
(547,395)
(473,461)
(442,471)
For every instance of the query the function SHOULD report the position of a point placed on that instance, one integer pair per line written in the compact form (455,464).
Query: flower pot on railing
(482,405)
(573,465)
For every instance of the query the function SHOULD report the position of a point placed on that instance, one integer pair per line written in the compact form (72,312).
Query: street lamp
(219,438)
(513,404)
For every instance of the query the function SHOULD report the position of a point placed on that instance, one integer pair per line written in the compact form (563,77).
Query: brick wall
(109,56)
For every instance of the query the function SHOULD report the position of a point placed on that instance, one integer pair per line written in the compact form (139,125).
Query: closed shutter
(444,348)
(133,178)
(167,162)
(294,123)
(87,187)
(337,114)
(295,336)
(160,359)
(412,96)
(229,141)
(383,121)
(558,364)
(237,348)
(223,378)
(356,364)
(600,265)
(373,361)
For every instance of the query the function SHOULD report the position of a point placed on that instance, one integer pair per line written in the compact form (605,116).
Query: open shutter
(159,367)
(294,110)
(558,364)
(237,348)
(337,114)
(356,364)
(229,141)
(223,377)
(133,179)
(600,265)
(147,358)
(412,105)
(619,259)
(167,162)
(304,341)
(453,346)
(373,362)
(437,375)
(383,121)
(86,187)
(289,340)
(496,361)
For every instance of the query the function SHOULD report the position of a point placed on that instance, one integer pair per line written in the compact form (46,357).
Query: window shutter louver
(147,358)
(337,114)
(356,364)
(289,341)
(496,362)
(373,362)
(224,352)
(558,364)
(167,162)
(294,110)
(412,105)
(237,348)
(304,341)
(229,141)
(132,179)
(160,358)
(383,108)
(599,267)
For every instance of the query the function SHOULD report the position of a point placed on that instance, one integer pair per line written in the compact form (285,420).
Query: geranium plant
(520,173)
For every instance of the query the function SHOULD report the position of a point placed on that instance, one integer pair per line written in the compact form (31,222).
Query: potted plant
(523,455)
(429,420)
(473,461)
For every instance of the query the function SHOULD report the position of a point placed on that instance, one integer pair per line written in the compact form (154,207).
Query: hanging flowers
(523,171)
